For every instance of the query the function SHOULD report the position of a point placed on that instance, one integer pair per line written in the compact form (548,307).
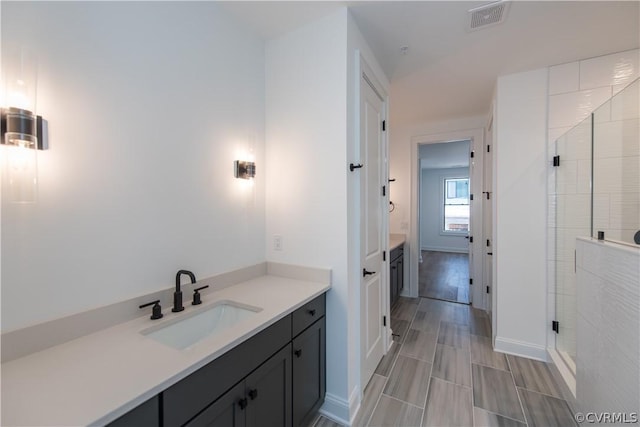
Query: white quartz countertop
(95,379)
(396,240)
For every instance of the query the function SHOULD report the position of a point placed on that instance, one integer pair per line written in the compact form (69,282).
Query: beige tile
(482,418)
(409,380)
(454,335)
(452,364)
(493,390)
(426,322)
(399,329)
(448,405)
(545,411)
(326,422)
(533,375)
(419,345)
(392,412)
(404,310)
(385,365)
(370,397)
(482,354)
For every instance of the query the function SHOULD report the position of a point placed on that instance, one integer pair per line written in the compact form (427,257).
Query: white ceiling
(448,72)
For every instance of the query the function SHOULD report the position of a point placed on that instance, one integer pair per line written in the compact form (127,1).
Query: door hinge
(488,242)
(384,125)
(556,161)
(471,197)
(473,154)
(384,255)
(555,326)
(384,190)
(470,239)
(488,148)
(487,289)
(471,281)
(384,320)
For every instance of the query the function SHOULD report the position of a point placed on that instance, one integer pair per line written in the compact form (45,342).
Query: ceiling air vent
(487,15)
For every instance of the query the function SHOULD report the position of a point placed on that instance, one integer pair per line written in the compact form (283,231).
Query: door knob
(367,273)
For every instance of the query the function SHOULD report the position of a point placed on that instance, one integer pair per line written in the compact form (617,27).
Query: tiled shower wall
(576,89)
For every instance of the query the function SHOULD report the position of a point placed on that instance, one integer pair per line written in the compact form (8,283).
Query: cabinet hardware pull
(298,353)
(242,403)
(312,312)
(253,393)
(367,273)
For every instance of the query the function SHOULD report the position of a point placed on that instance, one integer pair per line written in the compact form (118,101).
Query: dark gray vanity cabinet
(275,378)
(309,367)
(396,273)
(262,399)
(146,414)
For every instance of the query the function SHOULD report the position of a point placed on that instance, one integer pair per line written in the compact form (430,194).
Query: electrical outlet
(277,242)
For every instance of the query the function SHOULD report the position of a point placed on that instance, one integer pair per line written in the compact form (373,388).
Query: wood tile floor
(442,371)
(444,275)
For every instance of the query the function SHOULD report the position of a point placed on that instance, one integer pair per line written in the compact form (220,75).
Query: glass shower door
(572,219)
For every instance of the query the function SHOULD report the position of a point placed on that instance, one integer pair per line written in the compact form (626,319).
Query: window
(456,205)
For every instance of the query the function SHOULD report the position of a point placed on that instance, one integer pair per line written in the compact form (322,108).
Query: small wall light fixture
(22,132)
(244,169)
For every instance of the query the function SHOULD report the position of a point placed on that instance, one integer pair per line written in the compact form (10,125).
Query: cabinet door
(309,377)
(228,411)
(268,392)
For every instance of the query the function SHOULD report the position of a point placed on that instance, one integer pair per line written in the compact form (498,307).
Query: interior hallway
(445,276)
(442,371)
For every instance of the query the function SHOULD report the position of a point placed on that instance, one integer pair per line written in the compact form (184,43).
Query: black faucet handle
(156,312)
(197,300)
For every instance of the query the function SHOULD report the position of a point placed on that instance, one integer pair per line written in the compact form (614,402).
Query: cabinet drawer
(303,317)
(188,397)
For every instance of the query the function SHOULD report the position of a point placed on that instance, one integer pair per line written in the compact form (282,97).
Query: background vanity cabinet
(275,378)
(396,273)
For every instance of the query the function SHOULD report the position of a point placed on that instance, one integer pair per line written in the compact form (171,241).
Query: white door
(487,216)
(470,234)
(372,202)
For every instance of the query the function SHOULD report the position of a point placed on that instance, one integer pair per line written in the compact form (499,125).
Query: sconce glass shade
(21,168)
(20,127)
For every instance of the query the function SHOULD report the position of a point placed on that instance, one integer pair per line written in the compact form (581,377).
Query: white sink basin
(188,330)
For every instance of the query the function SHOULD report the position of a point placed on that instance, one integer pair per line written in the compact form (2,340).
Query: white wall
(520,168)
(431,236)
(148,106)
(306,148)
(311,136)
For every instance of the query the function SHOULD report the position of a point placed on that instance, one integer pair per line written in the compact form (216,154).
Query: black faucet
(177,295)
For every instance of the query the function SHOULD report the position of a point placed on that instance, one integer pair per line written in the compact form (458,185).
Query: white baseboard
(336,409)
(521,348)
(445,249)
(565,372)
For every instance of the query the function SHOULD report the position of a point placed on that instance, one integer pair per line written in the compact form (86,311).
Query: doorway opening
(444,222)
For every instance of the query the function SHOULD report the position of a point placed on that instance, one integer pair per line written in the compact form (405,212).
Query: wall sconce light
(22,132)
(244,169)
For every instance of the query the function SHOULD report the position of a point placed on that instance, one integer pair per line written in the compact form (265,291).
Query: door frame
(476,136)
